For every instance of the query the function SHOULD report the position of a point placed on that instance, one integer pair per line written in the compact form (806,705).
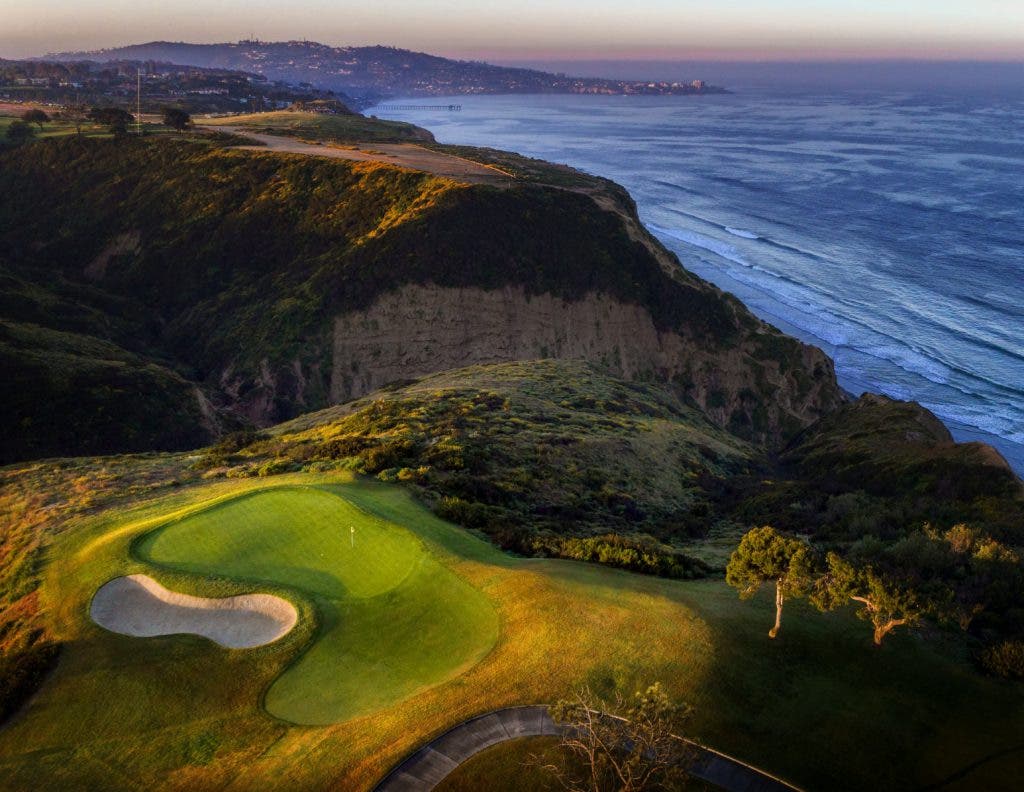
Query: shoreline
(941,396)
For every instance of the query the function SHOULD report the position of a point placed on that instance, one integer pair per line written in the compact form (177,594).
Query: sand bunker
(137,605)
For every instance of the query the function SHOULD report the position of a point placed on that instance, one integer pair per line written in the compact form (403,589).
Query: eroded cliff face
(763,388)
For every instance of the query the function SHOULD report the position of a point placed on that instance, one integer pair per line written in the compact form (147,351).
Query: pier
(452,108)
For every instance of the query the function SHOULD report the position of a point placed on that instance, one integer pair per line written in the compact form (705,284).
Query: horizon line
(498,57)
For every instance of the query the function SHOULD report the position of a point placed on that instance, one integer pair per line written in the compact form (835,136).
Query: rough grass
(508,767)
(517,765)
(819,705)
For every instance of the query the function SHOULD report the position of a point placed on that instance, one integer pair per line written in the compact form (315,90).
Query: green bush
(462,512)
(1005,659)
(276,466)
(637,553)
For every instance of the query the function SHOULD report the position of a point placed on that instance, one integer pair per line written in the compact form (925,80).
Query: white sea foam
(917,300)
(716,246)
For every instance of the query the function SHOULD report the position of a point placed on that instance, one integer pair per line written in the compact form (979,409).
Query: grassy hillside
(73,391)
(347,128)
(179,712)
(529,452)
(557,458)
(227,269)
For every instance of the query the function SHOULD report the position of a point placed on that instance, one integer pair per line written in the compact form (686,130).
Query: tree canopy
(176,118)
(627,744)
(19,132)
(764,556)
(35,116)
(950,576)
(113,117)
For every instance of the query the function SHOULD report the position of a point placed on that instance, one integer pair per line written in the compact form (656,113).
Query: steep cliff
(283,283)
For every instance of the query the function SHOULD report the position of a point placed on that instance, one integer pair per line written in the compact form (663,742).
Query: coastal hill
(114,82)
(241,287)
(472,352)
(371,72)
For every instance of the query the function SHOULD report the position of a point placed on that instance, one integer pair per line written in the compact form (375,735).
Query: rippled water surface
(887,229)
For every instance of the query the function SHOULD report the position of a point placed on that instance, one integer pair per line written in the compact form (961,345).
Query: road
(423,770)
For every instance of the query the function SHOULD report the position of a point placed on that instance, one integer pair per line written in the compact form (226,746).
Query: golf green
(393,618)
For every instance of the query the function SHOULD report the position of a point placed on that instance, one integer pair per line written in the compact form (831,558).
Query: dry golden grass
(819,705)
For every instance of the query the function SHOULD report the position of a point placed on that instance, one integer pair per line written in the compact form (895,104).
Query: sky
(544,29)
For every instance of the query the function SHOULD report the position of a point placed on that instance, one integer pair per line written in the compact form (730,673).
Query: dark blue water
(886,228)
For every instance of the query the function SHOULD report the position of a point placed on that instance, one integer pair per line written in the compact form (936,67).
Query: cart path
(424,769)
(406,155)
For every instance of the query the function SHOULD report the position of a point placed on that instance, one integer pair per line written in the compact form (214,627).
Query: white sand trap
(137,605)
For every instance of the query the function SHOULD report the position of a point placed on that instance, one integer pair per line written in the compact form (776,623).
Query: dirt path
(428,766)
(407,155)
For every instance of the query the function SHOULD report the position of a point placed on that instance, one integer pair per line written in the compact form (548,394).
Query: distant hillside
(369,72)
(282,284)
(113,82)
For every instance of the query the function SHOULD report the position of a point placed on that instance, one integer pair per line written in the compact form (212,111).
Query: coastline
(802,280)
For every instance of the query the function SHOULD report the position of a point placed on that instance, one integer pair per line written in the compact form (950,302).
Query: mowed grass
(298,537)
(321,126)
(819,705)
(392,619)
(53,128)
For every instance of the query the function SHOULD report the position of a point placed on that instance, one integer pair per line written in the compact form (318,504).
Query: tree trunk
(778,610)
(882,630)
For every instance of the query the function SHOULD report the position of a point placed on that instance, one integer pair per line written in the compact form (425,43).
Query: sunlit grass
(819,705)
(320,126)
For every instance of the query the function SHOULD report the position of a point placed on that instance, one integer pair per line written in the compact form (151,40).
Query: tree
(176,118)
(886,601)
(765,556)
(113,117)
(35,116)
(19,132)
(623,745)
(75,114)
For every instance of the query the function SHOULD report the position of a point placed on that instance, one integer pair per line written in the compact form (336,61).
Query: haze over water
(885,227)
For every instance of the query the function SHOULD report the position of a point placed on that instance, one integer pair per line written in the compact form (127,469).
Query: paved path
(407,155)
(424,769)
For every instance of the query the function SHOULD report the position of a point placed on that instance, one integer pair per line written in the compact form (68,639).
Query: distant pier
(451,108)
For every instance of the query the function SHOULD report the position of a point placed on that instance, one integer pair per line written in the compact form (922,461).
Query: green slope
(392,619)
(228,268)
(819,705)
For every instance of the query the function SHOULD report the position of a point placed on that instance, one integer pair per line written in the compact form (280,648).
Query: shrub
(1005,659)
(464,513)
(276,466)
(637,553)
(19,132)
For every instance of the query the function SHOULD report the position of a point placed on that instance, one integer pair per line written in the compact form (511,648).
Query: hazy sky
(566,29)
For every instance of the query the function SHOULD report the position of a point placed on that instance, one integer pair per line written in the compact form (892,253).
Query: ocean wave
(803,303)
(801,308)
(678,187)
(741,233)
(711,244)
(1006,426)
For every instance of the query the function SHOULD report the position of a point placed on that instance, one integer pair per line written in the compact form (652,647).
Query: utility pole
(138,102)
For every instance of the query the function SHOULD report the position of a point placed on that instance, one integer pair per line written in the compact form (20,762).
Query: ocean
(886,227)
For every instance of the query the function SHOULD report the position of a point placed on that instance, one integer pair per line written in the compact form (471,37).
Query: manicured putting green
(394,619)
